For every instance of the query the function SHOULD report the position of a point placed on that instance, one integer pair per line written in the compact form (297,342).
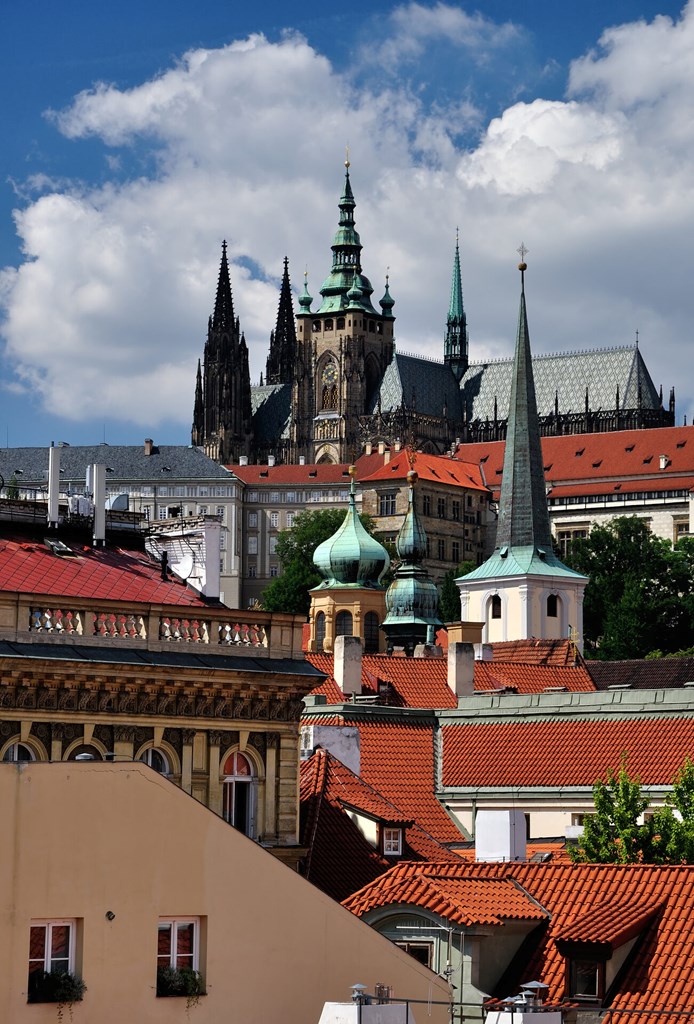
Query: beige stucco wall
(81,839)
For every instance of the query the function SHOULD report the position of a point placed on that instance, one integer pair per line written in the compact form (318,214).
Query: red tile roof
(631,457)
(99,573)
(657,975)
(308,474)
(535,652)
(340,858)
(439,469)
(564,753)
(650,673)
(423,682)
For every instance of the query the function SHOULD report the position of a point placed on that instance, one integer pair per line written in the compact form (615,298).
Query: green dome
(305,299)
(387,302)
(351,557)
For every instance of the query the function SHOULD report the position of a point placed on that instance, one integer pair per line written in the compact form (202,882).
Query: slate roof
(593,463)
(100,573)
(340,858)
(439,469)
(271,406)
(424,383)
(653,673)
(601,371)
(605,901)
(564,753)
(128,462)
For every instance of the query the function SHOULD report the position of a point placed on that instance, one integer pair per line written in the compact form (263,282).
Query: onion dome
(412,598)
(305,299)
(387,302)
(351,557)
(354,294)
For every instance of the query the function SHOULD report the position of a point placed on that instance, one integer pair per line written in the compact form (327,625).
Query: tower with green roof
(343,349)
(455,349)
(523,590)
(350,599)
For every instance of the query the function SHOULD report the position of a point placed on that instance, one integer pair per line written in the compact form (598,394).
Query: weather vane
(522,251)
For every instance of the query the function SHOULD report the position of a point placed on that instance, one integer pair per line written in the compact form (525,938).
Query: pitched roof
(340,858)
(271,409)
(309,474)
(513,753)
(573,463)
(424,384)
(492,675)
(441,469)
(124,462)
(651,673)
(605,902)
(101,573)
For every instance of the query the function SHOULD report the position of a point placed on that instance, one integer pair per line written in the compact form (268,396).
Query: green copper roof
(455,344)
(387,302)
(523,535)
(412,598)
(351,557)
(346,273)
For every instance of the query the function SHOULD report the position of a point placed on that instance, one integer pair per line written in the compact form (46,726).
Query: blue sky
(539,122)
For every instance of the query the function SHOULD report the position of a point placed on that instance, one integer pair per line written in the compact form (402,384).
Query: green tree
(449,595)
(673,825)
(289,592)
(640,593)
(13,487)
(612,835)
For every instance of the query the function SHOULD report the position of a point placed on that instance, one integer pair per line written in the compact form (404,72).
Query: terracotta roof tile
(501,754)
(651,673)
(99,573)
(433,468)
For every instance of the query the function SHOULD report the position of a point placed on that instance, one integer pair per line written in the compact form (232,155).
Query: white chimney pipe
(99,484)
(53,486)
(347,663)
(271,460)
(461,669)
(243,460)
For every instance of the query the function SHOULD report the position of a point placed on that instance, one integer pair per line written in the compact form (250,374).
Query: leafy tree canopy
(641,592)
(613,834)
(289,592)
(449,595)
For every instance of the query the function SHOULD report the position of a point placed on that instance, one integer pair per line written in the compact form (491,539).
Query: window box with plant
(52,977)
(177,959)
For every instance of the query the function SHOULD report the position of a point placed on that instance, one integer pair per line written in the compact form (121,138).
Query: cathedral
(334,381)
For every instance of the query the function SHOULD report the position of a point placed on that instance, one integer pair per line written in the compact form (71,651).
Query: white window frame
(173,923)
(49,924)
(392,842)
(289,516)
(274,520)
(10,754)
(252,519)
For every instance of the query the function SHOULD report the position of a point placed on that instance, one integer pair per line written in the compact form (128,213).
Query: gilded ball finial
(522,252)
(352,471)
(522,266)
(412,477)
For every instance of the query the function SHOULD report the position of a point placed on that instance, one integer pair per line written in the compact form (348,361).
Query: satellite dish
(118,503)
(184,568)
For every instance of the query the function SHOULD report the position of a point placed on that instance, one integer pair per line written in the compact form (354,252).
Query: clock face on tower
(329,373)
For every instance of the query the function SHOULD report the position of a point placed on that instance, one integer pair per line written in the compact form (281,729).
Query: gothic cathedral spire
(456,341)
(282,356)
(222,411)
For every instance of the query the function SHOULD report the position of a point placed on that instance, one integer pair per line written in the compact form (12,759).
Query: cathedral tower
(280,362)
(222,411)
(343,349)
(455,354)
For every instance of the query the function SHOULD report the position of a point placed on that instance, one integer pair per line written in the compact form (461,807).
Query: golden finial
(347,164)
(523,252)
(352,471)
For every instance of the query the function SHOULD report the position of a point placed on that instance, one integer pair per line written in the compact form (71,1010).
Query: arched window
(19,752)
(371,633)
(315,326)
(343,624)
(239,793)
(85,752)
(340,323)
(320,630)
(496,607)
(327,325)
(156,759)
(552,605)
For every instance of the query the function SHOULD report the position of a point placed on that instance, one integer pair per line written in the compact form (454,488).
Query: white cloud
(107,315)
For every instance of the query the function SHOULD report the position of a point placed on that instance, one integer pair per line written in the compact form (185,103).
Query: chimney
(398,445)
(347,663)
(99,484)
(149,445)
(302,460)
(53,486)
(271,460)
(243,460)
(664,462)
(368,448)
(381,447)
(461,669)
(500,836)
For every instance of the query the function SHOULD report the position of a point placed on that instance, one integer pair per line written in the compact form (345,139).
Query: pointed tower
(222,410)
(350,601)
(455,349)
(412,598)
(343,349)
(523,590)
(280,362)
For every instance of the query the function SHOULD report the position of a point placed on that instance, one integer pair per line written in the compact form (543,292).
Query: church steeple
(198,410)
(223,316)
(456,341)
(282,357)
(346,271)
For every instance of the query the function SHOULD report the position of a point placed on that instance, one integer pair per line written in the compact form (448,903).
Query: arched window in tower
(371,634)
(343,624)
(320,631)
(239,793)
(340,326)
(329,386)
(552,606)
(496,607)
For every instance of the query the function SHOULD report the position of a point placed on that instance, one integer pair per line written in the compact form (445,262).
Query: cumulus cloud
(107,313)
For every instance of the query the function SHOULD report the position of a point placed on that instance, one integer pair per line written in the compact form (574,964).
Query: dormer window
(392,842)
(586,980)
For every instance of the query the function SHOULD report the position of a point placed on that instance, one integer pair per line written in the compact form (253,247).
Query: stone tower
(280,361)
(455,349)
(222,411)
(343,349)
